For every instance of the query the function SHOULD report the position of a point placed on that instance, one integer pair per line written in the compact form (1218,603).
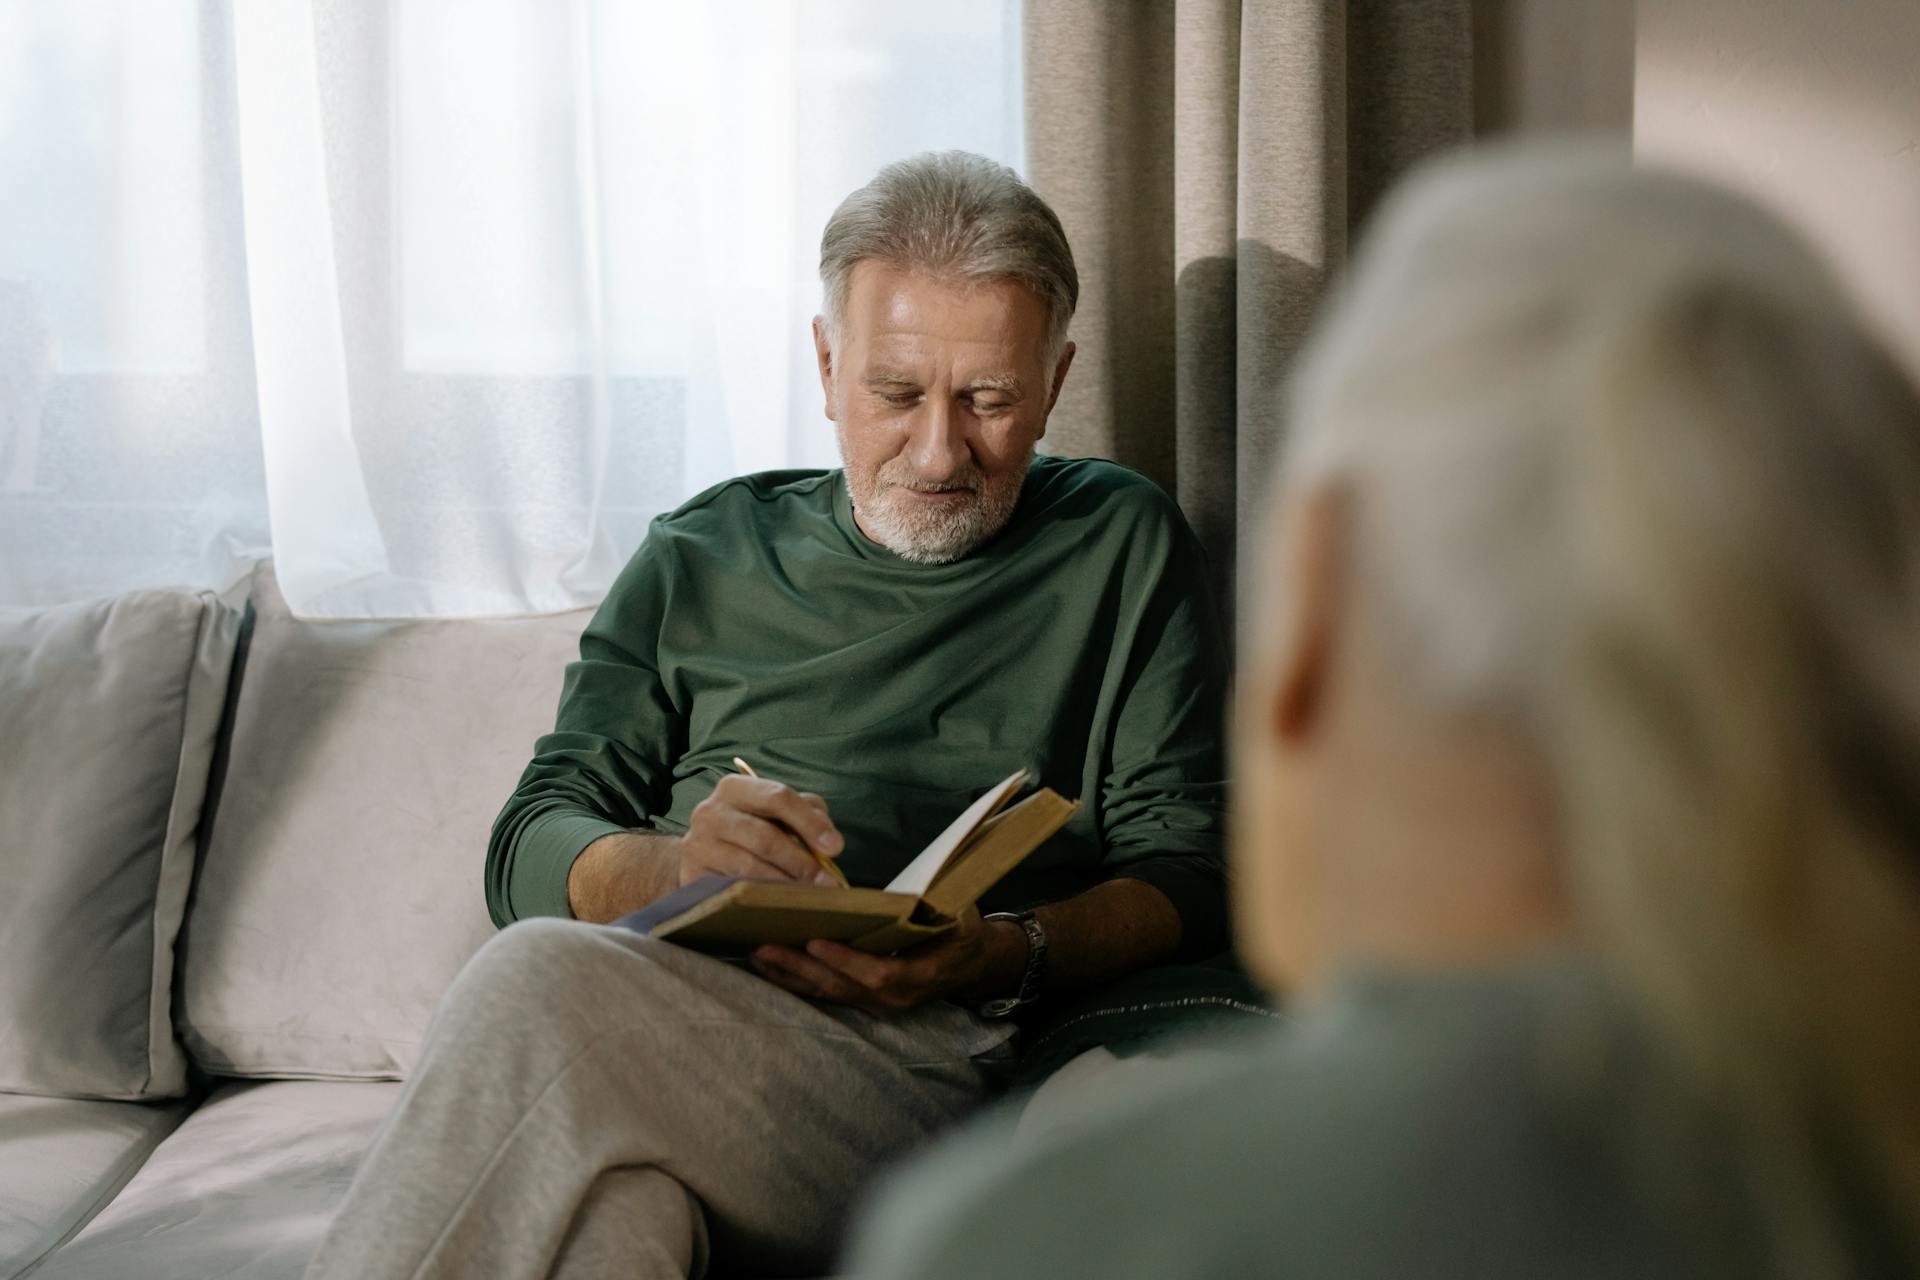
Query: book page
(918,876)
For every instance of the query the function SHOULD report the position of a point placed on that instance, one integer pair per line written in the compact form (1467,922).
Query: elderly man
(881,642)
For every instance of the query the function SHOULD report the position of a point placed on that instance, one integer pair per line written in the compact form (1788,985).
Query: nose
(937,447)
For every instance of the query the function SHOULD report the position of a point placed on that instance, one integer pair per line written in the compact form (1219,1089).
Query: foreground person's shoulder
(980,1201)
(1403,1126)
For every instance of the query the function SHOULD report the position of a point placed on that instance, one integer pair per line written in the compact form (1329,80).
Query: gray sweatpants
(591,1102)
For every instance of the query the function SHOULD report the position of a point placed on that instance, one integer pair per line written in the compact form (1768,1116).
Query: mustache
(970,480)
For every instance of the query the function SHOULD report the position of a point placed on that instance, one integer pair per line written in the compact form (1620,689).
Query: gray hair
(956,215)
(1629,472)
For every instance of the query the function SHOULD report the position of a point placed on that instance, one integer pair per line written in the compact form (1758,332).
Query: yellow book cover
(730,915)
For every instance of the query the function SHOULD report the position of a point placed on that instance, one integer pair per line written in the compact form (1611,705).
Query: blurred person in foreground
(1577,787)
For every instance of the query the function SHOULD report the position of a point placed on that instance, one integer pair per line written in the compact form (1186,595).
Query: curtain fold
(1210,160)
(437,303)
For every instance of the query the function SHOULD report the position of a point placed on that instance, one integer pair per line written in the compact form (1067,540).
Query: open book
(734,914)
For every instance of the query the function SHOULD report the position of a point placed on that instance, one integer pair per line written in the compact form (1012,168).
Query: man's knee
(567,978)
(550,954)
(541,973)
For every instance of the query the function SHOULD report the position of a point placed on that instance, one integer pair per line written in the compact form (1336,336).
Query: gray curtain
(1211,159)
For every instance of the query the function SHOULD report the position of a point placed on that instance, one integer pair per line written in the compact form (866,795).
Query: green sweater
(757,620)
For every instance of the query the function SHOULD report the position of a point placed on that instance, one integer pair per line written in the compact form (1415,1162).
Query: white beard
(931,535)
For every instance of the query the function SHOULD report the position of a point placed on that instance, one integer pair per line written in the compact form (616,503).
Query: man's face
(939,391)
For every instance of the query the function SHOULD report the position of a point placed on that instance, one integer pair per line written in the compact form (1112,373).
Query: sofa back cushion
(108,714)
(343,883)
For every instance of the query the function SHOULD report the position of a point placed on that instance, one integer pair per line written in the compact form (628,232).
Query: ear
(823,352)
(1059,379)
(1315,538)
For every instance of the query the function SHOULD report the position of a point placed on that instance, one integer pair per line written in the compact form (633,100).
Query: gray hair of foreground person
(1628,473)
(952,215)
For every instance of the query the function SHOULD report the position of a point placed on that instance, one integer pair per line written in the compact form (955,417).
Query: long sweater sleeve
(605,766)
(1163,801)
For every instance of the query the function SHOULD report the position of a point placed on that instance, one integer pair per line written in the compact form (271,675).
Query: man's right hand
(736,831)
(748,827)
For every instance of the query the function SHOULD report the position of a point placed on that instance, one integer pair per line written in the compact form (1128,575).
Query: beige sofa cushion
(245,1188)
(61,1159)
(108,713)
(342,887)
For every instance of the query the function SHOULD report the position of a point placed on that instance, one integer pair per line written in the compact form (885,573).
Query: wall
(1553,66)
(1813,105)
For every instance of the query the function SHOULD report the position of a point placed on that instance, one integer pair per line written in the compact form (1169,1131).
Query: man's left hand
(973,960)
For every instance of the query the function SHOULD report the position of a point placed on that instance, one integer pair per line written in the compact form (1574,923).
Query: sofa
(241,863)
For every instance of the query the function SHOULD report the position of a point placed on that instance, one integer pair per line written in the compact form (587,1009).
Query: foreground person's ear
(1314,548)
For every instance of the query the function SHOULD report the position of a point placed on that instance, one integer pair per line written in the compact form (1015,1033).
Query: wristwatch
(1036,970)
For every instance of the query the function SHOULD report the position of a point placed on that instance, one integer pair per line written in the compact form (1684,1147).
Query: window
(471,288)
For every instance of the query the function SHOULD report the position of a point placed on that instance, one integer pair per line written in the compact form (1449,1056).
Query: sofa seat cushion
(61,1159)
(246,1187)
(108,714)
(343,884)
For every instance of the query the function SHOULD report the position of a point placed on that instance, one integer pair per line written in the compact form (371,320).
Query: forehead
(904,313)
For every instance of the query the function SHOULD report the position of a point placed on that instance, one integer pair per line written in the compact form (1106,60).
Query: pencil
(827,863)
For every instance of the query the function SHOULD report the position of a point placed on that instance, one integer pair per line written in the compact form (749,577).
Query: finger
(830,982)
(727,860)
(782,804)
(782,978)
(876,973)
(786,978)
(888,984)
(763,841)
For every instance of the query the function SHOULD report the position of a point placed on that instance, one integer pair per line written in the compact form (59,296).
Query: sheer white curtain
(437,300)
